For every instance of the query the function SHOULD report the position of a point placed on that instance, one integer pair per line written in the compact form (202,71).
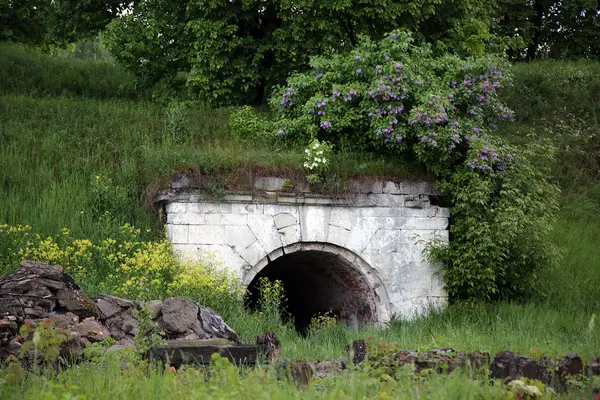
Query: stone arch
(319,277)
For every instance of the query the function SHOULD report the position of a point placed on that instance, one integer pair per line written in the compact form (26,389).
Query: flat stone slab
(178,352)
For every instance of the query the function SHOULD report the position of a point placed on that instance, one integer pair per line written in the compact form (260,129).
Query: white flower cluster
(315,156)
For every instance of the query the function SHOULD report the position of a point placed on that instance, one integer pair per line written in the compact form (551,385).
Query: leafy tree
(51,22)
(25,21)
(557,29)
(233,51)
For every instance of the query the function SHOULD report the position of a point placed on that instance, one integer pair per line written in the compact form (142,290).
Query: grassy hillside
(74,143)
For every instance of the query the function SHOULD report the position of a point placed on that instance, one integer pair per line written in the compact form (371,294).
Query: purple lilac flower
(398,139)
(319,75)
(357,58)
(388,58)
(476,130)
(359,71)
(326,124)
(286,100)
(378,69)
(281,132)
(394,36)
(336,93)
(418,82)
(399,67)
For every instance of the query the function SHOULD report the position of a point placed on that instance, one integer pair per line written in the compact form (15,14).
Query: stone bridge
(359,256)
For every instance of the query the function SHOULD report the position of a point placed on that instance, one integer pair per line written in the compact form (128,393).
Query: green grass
(560,100)
(26,71)
(52,148)
(111,382)
(63,122)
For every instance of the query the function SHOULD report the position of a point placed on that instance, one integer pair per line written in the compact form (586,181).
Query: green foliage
(317,161)
(29,72)
(246,122)
(177,127)
(149,334)
(232,52)
(126,265)
(25,21)
(272,302)
(548,28)
(402,98)
(42,339)
(48,23)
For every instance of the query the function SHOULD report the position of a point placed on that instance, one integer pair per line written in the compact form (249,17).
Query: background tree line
(233,51)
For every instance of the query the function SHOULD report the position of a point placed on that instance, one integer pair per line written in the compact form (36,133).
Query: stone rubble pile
(38,291)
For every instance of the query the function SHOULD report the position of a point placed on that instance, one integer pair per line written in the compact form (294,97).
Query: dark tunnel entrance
(316,282)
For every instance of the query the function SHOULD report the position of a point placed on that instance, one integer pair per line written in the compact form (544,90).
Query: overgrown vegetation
(440,110)
(77,153)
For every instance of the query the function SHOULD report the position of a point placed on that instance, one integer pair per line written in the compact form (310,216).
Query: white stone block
(264,229)
(290,235)
(177,233)
(229,258)
(213,219)
(337,235)
(314,222)
(239,237)
(173,208)
(390,187)
(343,217)
(234,219)
(418,223)
(207,234)
(246,208)
(210,208)
(254,253)
(361,233)
(283,220)
(274,255)
(187,218)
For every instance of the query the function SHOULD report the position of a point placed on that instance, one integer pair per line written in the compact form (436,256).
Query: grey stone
(107,308)
(269,183)
(78,303)
(155,307)
(178,314)
(123,303)
(92,330)
(213,324)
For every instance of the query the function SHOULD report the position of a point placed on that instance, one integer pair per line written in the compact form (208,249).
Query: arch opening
(316,282)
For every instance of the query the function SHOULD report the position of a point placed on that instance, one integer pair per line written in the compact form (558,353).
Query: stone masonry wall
(381,230)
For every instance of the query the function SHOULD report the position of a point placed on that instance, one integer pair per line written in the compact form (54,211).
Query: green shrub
(440,110)
(126,265)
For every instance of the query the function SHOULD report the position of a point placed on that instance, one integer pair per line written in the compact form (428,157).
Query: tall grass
(52,148)
(25,71)
(560,100)
(63,122)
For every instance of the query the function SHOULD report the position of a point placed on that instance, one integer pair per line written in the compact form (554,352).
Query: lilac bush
(398,97)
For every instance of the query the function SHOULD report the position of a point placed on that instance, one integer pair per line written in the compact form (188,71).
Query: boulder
(38,291)
(177,315)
